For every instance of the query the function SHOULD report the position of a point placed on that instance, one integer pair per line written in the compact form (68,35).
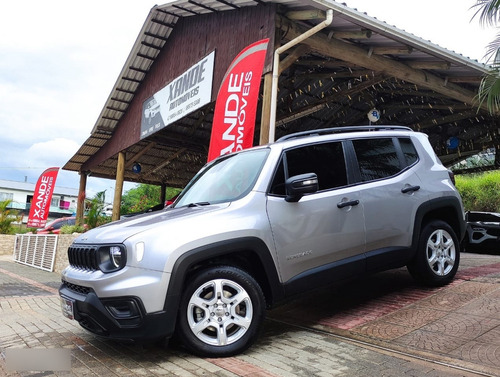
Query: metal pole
(276,63)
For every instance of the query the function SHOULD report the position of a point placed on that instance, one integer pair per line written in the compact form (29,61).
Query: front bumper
(122,318)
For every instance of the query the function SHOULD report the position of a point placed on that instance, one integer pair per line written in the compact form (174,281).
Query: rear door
(323,229)
(390,193)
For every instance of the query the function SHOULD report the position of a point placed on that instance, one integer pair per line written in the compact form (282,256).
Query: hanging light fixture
(136,168)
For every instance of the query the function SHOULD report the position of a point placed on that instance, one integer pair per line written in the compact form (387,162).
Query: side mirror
(299,185)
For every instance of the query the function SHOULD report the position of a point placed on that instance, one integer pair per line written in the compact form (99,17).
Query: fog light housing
(127,311)
(124,309)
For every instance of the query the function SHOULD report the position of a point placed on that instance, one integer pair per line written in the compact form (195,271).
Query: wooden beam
(304,15)
(403,50)
(446,119)
(325,63)
(138,155)
(356,34)
(334,75)
(428,65)
(167,161)
(465,79)
(337,49)
(413,91)
(428,106)
(320,105)
(292,57)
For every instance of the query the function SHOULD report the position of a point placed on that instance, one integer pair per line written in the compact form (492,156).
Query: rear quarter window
(409,151)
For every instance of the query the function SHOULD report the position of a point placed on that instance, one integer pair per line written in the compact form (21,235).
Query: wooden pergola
(333,77)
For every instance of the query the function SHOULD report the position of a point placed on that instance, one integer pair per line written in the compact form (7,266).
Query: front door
(323,229)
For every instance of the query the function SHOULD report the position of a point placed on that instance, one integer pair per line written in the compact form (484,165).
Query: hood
(119,231)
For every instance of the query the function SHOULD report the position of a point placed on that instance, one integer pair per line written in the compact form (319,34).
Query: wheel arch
(447,209)
(249,254)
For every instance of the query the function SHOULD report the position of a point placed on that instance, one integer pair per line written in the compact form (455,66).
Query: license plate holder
(68,307)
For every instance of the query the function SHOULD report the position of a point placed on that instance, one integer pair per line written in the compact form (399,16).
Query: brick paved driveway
(459,324)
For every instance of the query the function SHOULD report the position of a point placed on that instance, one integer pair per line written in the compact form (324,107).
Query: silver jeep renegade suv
(254,227)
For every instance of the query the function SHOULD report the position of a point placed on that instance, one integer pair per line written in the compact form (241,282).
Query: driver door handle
(348,203)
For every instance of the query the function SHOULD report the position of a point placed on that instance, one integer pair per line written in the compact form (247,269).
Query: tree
(488,12)
(143,197)
(94,216)
(7,217)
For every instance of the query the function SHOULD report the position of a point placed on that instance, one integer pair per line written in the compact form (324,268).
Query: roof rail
(326,131)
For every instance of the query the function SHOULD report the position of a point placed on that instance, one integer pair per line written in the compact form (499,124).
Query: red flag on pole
(234,115)
(40,205)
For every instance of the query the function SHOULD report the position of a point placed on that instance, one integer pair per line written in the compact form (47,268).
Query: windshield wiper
(199,204)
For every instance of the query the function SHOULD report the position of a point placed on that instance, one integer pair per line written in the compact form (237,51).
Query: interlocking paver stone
(393,312)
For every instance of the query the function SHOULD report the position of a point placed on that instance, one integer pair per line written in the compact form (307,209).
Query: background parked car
(54,227)
(483,232)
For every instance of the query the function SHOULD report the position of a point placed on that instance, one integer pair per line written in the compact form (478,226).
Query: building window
(6,196)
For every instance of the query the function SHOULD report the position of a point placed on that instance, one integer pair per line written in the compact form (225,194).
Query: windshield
(224,180)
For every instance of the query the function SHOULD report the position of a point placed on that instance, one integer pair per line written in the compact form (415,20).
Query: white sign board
(185,94)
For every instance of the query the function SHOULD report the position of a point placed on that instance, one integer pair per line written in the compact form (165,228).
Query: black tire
(221,312)
(438,255)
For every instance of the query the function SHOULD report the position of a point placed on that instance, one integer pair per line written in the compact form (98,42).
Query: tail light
(452,176)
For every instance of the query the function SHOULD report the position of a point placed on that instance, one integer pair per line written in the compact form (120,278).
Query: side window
(377,158)
(60,224)
(326,160)
(409,151)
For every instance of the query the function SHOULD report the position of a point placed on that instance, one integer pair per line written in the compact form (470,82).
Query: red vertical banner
(236,105)
(40,205)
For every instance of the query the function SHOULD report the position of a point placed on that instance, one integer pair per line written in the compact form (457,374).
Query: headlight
(112,258)
(116,255)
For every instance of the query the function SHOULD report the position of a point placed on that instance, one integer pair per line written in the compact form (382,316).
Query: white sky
(59,60)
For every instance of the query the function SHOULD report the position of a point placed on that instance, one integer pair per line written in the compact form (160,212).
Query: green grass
(480,192)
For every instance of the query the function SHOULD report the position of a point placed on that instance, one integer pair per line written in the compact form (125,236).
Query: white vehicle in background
(108,211)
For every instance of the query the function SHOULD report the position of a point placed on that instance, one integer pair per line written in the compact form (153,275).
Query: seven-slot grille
(83,257)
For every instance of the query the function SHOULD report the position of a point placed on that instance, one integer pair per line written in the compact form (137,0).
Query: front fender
(224,249)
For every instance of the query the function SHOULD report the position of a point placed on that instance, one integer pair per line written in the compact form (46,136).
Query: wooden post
(163,193)
(266,109)
(120,173)
(80,205)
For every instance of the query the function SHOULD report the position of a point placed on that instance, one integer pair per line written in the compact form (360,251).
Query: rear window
(377,158)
